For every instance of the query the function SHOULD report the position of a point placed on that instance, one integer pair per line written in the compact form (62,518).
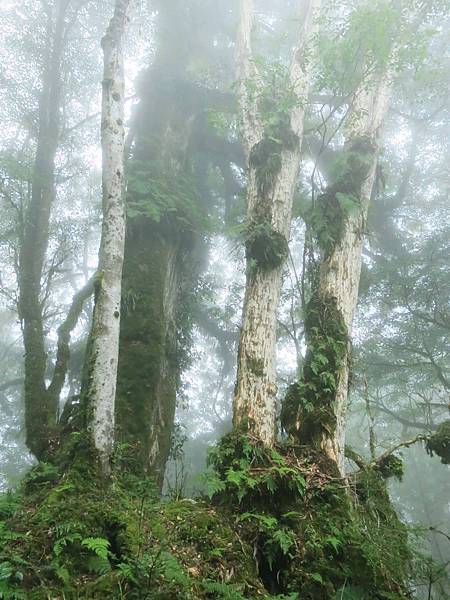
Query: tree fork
(269,213)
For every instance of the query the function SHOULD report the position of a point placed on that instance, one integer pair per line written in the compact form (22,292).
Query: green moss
(266,156)
(391,466)
(280,521)
(342,199)
(78,538)
(308,530)
(308,409)
(439,443)
(267,248)
(148,347)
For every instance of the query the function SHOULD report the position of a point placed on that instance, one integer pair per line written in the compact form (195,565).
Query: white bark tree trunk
(104,343)
(340,272)
(269,208)
(316,407)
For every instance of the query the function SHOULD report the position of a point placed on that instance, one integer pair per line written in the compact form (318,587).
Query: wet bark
(339,220)
(273,168)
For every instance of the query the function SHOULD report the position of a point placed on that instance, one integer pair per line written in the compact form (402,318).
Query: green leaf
(100,546)
(317,577)
(334,542)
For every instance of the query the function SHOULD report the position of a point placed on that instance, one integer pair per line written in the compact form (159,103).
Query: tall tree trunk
(339,222)
(165,250)
(162,261)
(273,166)
(41,407)
(104,342)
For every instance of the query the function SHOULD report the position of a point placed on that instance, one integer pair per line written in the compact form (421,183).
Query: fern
(223,591)
(98,565)
(99,546)
(64,541)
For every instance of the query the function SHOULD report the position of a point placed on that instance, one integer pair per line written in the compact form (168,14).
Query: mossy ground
(314,535)
(279,524)
(69,537)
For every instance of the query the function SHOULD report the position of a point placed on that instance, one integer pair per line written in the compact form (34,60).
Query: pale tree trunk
(340,272)
(104,341)
(268,221)
(339,223)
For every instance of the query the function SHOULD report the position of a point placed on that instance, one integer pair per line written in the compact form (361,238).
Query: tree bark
(339,222)
(269,208)
(104,341)
(40,407)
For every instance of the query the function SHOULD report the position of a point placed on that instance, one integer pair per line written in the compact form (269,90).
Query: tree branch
(64,333)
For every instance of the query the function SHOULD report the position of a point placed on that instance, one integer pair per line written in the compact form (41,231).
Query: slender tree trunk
(339,222)
(104,342)
(273,167)
(40,406)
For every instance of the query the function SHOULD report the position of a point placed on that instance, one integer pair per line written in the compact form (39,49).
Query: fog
(186,202)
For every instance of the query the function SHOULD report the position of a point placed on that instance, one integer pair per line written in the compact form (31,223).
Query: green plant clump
(76,537)
(391,466)
(265,247)
(308,407)
(439,443)
(307,528)
(265,157)
(341,200)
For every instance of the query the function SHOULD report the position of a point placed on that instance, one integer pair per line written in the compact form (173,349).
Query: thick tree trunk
(41,407)
(339,220)
(149,369)
(273,166)
(165,250)
(162,260)
(104,342)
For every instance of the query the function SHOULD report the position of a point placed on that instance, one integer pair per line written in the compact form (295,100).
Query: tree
(41,406)
(170,210)
(35,193)
(100,389)
(272,129)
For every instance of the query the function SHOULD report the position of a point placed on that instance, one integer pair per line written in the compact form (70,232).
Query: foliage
(439,442)
(391,466)
(341,201)
(354,44)
(267,248)
(157,194)
(308,407)
(265,157)
(310,532)
(62,538)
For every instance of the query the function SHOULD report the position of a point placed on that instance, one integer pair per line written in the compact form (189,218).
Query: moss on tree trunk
(149,369)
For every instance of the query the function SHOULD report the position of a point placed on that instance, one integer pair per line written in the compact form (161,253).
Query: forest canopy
(224,299)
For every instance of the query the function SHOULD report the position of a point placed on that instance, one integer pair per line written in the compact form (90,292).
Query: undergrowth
(312,534)
(279,523)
